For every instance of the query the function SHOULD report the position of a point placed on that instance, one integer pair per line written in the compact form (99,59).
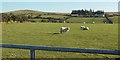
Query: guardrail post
(32,54)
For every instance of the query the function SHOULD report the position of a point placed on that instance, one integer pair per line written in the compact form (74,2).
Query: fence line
(59,49)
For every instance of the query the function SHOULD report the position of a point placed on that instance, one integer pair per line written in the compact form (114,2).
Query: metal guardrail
(59,49)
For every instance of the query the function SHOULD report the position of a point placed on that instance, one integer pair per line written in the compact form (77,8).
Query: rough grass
(100,36)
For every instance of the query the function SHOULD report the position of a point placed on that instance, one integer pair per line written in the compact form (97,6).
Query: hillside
(38,16)
(25,11)
(44,13)
(33,12)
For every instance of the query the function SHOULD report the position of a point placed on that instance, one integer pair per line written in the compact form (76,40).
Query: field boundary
(59,49)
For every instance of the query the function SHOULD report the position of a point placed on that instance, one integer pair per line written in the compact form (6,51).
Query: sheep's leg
(61,32)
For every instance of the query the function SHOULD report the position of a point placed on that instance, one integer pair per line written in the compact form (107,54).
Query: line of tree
(13,18)
(87,13)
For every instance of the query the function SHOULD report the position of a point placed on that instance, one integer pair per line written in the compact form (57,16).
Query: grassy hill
(40,12)
(31,12)
(41,15)
(25,12)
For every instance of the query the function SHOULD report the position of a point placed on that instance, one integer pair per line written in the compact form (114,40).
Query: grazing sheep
(93,22)
(84,22)
(64,29)
(84,28)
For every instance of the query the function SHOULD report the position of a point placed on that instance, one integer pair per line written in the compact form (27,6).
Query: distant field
(88,20)
(91,19)
(100,36)
(54,16)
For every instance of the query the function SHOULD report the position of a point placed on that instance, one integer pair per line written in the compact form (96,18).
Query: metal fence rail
(59,49)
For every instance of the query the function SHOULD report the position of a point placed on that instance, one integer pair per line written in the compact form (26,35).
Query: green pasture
(54,16)
(100,36)
(88,20)
(91,19)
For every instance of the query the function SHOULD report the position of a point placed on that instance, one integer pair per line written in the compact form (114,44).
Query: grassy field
(88,20)
(91,19)
(100,36)
(54,16)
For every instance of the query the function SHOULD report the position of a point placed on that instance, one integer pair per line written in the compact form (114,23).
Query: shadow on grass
(54,33)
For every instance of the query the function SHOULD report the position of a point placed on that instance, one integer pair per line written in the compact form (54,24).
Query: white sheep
(64,29)
(84,28)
